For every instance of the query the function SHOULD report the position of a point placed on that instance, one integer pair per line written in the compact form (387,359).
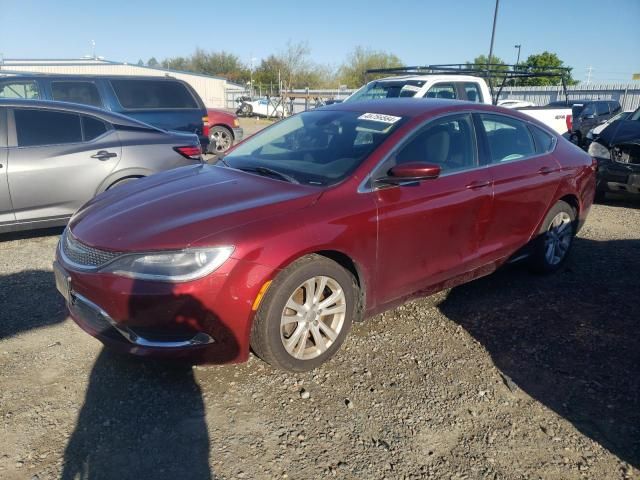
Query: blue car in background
(166,103)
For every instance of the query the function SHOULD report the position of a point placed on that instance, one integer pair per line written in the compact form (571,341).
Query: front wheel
(555,238)
(305,315)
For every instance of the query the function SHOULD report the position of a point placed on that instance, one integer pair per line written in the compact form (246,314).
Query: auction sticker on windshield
(379,117)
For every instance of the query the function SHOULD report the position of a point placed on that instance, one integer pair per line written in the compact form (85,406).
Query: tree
(221,63)
(293,68)
(152,62)
(543,61)
(140,63)
(352,72)
(481,62)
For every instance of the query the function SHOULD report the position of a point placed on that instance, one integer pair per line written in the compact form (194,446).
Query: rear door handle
(479,184)
(545,171)
(104,155)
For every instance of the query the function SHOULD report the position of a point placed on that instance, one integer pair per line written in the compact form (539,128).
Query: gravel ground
(511,376)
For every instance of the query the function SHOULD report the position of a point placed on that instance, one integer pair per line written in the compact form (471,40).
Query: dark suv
(166,103)
(587,114)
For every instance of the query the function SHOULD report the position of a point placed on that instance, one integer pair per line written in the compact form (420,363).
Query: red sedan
(318,221)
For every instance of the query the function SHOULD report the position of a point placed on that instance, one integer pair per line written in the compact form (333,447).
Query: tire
(247,110)
(223,138)
(552,246)
(275,323)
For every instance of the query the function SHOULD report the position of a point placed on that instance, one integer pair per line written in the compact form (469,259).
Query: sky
(603,35)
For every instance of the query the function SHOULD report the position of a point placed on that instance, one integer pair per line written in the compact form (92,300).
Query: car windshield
(387,89)
(319,147)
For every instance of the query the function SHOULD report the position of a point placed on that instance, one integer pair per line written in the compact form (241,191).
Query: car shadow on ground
(42,232)
(45,306)
(570,340)
(621,200)
(145,418)
(140,419)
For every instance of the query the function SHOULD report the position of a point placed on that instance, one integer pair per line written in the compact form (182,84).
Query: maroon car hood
(175,208)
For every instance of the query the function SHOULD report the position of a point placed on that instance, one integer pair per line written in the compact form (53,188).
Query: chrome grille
(82,255)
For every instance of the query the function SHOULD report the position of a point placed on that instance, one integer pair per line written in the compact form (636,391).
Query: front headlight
(174,266)
(599,151)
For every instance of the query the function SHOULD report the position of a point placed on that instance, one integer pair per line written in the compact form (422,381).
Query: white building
(212,90)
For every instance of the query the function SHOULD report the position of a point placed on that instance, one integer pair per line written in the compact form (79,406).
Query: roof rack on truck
(502,72)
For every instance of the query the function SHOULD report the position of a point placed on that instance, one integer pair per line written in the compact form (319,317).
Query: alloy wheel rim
(558,238)
(222,139)
(313,317)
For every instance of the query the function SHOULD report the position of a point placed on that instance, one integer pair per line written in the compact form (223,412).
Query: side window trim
(365,186)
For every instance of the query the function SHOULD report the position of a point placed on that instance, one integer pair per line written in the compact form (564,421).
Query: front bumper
(618,177)
(238,134)
(204,321)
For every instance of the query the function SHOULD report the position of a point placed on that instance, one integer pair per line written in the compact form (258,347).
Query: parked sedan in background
(318,221)
(54,156)
(224,129)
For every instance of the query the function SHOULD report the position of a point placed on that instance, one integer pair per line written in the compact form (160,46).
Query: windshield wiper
(269,172)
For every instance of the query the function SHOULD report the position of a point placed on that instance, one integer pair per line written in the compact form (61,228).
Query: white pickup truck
(459,87)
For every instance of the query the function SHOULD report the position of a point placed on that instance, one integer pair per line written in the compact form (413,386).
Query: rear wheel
(305,315)
(555,238)
(222,137)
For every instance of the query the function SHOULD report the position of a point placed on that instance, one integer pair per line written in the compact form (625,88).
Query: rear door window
(473,92)
(151,94)
(85,93)
(442,90)
(46,127)
(92,128)
(508,138)
(19,89)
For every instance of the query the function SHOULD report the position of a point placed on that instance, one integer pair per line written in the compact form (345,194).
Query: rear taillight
(205,126)
(192,152)
(569,120)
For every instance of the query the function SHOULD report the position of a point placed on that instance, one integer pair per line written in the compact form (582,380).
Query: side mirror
(411,172)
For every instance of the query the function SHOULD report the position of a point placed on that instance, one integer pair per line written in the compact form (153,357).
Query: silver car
(55,156)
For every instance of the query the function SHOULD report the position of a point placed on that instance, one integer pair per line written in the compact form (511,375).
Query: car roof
(76,76)
(110,117)
(426,107)
(410,107)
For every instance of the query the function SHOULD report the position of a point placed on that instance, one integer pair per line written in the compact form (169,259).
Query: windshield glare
(320,147)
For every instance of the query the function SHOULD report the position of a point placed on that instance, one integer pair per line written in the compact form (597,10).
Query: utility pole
(493,31)
(93,49)
(493,34)
(589,69)
(518,46)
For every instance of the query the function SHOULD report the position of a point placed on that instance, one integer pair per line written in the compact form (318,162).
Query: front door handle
(104,155)
(545,171)
(479,184)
